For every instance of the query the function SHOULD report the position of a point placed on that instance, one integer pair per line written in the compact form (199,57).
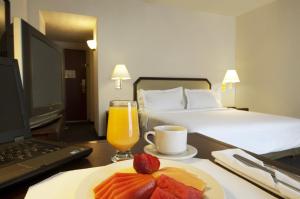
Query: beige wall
(19,8)
(152,40)
(268,62)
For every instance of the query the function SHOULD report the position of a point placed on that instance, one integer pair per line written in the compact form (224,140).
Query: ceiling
(78,28)
(223,7)
(68,27)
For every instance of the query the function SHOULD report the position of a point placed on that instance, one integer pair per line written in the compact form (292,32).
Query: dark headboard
(160,83)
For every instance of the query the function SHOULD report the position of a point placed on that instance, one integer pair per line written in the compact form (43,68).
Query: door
(75,84)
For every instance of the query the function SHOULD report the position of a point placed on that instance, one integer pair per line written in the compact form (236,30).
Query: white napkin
(286,191)
(60,186)
(225,157)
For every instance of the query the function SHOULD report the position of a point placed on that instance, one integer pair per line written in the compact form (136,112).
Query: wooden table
(102,153)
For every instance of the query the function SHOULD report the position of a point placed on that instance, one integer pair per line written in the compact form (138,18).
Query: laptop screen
(13,120)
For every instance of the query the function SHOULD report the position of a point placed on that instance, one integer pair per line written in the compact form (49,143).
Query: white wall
(19,8)
(151,40)
(268,46)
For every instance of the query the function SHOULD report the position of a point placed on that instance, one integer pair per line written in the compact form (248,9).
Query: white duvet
(255,132)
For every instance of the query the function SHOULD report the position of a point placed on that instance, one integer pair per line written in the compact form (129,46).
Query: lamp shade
(231,76)
(92,44)
(120,72)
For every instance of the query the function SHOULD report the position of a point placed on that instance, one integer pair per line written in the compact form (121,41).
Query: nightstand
(241,109)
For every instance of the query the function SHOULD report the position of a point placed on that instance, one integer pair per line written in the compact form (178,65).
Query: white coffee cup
(168,139)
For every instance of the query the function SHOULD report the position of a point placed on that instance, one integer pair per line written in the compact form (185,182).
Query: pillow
(200,98)
(171,99)
(140,98)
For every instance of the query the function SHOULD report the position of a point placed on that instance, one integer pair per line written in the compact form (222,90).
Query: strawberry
(145,163)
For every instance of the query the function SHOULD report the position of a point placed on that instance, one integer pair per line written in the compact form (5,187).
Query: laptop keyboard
(24,150)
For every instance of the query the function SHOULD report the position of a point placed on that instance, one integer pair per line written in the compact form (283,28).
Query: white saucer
(189,153)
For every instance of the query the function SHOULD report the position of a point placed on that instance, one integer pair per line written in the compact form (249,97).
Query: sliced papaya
(115,179)
(140,190)
(108,179)
(99,186)
(122,186)
(105,186)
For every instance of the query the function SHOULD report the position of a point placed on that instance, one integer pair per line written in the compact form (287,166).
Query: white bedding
(255,132)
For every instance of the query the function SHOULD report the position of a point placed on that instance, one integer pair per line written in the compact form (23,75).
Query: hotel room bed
(255,132)
(265,134)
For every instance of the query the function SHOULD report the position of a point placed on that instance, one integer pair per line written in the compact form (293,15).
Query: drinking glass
(123,128)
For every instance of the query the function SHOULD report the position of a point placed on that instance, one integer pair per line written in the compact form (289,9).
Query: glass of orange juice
(123,128)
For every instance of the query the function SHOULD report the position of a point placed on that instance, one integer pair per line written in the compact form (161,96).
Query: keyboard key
(25,150)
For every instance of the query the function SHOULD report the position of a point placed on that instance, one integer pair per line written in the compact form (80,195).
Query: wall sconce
(120,73)
(230,78)
(92,44)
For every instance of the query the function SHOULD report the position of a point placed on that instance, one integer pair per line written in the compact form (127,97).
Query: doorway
(71,31)
(75,85)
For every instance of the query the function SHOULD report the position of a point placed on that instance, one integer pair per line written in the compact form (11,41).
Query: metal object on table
(258,166)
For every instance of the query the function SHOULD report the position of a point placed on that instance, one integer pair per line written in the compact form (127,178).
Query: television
(41,66)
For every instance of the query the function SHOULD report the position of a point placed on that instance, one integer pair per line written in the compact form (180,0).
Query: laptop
(21,156)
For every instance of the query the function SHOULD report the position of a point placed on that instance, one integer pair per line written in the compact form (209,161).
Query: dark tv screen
(46,66)
(42,76)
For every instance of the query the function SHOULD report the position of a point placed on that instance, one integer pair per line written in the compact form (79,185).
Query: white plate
(189,153)
(85,189)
